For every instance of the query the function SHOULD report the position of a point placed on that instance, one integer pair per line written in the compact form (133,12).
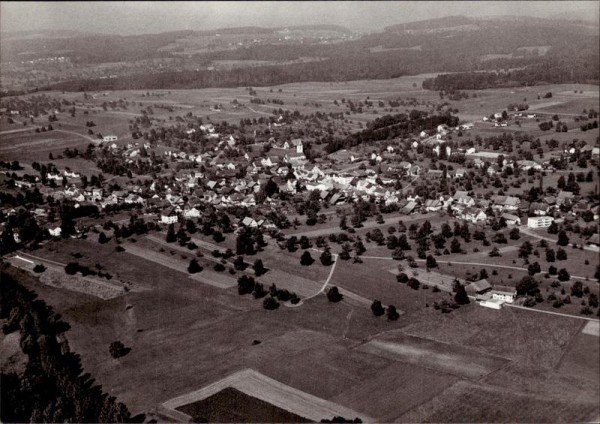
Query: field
(339,353)
(231,405)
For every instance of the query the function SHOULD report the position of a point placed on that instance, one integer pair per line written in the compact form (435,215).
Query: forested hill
(545,51)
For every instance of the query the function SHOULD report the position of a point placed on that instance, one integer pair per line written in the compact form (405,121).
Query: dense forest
(559,72)
(53,387)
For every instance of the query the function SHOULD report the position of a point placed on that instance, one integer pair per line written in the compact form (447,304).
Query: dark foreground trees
(53,387)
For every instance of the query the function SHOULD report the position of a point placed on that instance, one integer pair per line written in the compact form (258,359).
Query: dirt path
(549,312)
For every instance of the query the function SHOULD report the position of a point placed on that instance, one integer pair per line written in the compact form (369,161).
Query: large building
(539,221)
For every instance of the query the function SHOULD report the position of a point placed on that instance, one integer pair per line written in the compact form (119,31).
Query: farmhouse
(539,221)
(504,293)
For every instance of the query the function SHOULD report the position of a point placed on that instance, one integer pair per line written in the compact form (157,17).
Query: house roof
(479,286)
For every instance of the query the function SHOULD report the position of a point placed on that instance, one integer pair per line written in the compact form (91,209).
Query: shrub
(219,267)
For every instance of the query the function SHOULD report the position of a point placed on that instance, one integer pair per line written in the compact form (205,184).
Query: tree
(306,259)
(527,286)
(534,268)
(563,275)
(334,295)
(259,268)
(553,228)
(194,267)
(577,289)
(39,268)
(461,296)
(561,255)
(239,263)
(495,252)
(71,268)
(270,303)
(326,257)
(118,349)
(550,256)
(245,285)
(413,283)
(563,239)
(514,234)
(259,291)
(377,308)
(171,237)
(102,238)
(431,262)
(455,246)
(392,313)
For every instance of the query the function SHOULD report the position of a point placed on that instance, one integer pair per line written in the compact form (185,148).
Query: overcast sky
(121,17)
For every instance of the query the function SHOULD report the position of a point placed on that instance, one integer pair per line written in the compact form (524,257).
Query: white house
(108,138)
(169,216)
(506,294)
(539,221)
(56,232)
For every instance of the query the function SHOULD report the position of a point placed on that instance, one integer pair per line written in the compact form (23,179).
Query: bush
(119,249)
(219,267)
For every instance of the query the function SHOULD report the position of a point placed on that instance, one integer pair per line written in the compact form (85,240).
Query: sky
(133,17)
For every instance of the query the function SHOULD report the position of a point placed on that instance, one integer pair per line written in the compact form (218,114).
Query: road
(93,140)
(548,312)
(322,290)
